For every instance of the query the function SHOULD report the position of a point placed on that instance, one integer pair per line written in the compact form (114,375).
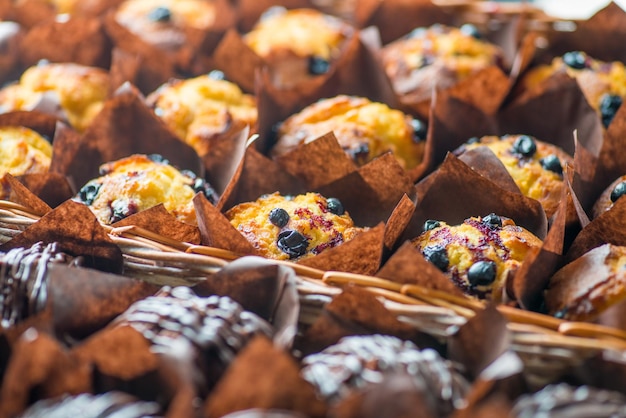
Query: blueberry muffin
(293,227)
(364,129)
(204,107)
(478,255)
(609,196)
(23,151)
(602,83)
(139,182)
(535,166)
(162,23)
(302,39)
(71,92)
(589,285)
(436,57)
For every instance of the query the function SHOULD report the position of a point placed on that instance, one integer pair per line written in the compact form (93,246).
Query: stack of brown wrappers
(84,339)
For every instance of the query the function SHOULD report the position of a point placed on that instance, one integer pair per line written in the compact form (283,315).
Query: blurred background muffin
(589,285)
(71,92)
(535,166)
(479,255)
(139,182)
(364,129)
(202,108)
(602,83)
(23,151)
(298,44)
(293,227)
(436,57)
(162,23)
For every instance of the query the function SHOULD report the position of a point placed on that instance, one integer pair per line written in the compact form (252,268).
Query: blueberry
(417,33)
(318,65)
(200,185)
(552,163)
(493,221)
(575,59)
(609,104)
(158,158)
(560,314)
(217,75)
(160,14)
(482,273)
(292,243)
(189,173)
(431,224)
(121,209)
(618,191)
(89,192)
(525,146)
(279,217)
(471,30)
(419,130)
(360,153)
(473,140)
(437,255)
(334,206)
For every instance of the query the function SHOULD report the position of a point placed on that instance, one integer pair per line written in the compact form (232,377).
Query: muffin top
(609,196)
(203,107)
(535,166)
(364,129)
(443,54)
(588,285)
(139,182)
(161,22)
(602,83)
(293,227)
(23,151)
(305,32)
(72,92)
(479,254)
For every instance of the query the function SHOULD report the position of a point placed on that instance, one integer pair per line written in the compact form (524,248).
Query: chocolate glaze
(355,362)
(563,400)
(110,404)
(23,281)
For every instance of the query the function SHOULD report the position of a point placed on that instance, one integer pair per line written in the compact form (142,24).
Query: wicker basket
(547,345)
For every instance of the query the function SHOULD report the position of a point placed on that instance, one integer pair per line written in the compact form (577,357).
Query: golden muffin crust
(203,107)
(479,254)
(609,196)
(72,92)
(535,166)
(602,83)
(139,182)
(364,129)
(162,22)
(590,284)
(439,56)
(306,32)
(293,227)
(23,151)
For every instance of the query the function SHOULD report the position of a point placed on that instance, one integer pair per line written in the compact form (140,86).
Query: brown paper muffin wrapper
(40,364)
(262,287)
(600,36)
(356,311)
(158,220)
(78,233)
(371,195)
(605,370)
(18,193)
(125,126)
(58,41)
(444,195)
(278,384)
(11,44)
(396,18)
(29,13)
